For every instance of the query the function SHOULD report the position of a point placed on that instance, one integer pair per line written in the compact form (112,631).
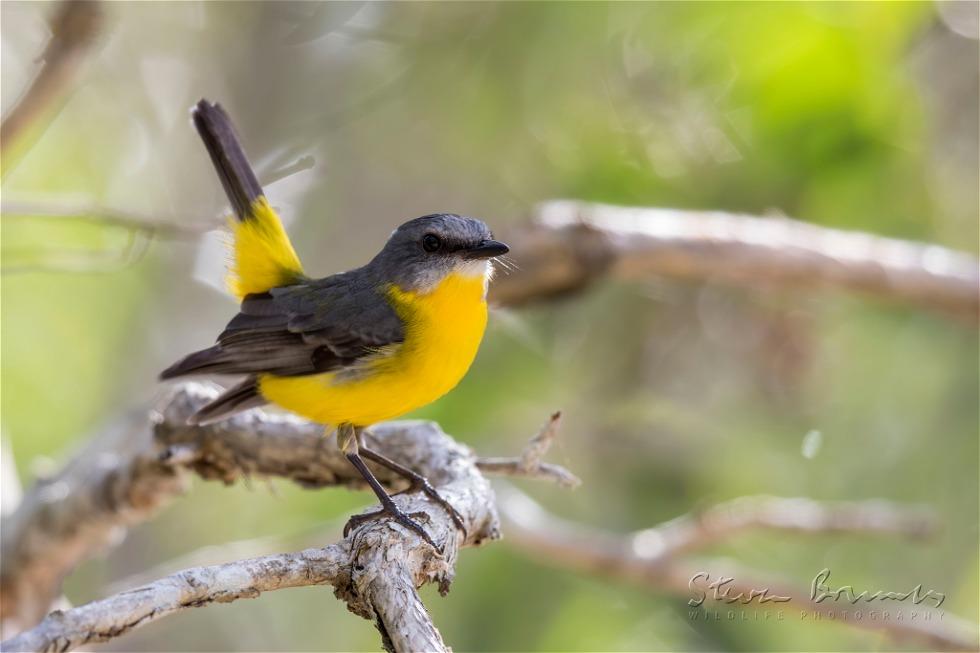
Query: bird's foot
(394,512)
(420,483)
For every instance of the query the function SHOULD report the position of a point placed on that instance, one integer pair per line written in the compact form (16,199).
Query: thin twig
(188,228)
(191,227)
(299,165)
(530,463)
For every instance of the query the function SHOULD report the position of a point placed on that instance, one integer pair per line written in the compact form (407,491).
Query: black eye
(431,242)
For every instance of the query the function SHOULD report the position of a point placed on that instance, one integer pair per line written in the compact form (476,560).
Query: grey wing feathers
(297,330)
(349,320)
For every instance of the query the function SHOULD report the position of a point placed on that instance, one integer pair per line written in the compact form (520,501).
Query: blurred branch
(651,557)
(108,216)
(572,244)
(700,529)
(65,519)
(141,231)
(73,31)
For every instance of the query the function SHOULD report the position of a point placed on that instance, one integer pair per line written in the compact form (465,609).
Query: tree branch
(66,519)
(652,557)
(802,515)
(575,243)
(379,566)
(109,618)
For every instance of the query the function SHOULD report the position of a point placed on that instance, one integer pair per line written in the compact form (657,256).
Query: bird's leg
(417,483)
(347,439)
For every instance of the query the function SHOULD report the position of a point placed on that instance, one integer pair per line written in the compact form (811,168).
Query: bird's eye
(431,242)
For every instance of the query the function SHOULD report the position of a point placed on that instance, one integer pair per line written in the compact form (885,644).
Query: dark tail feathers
(227,155)
(241,397)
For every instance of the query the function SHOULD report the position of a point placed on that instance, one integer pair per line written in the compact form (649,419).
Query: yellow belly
(443,330)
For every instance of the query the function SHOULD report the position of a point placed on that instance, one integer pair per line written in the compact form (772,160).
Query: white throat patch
(479,268)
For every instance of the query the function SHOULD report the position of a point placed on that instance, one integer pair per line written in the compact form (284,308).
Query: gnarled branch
(69,517)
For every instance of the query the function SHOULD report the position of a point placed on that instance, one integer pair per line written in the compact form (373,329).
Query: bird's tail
(241,397)
(263,256)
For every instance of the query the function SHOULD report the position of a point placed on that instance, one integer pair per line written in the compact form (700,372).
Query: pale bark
(572,244)
(99,495)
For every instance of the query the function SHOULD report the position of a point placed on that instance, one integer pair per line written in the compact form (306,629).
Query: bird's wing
(345,313)
(302,329)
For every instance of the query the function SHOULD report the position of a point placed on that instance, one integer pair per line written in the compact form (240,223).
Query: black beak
(486,249)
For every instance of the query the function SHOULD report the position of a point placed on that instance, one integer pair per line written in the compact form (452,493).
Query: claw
(422,484)
(417,483)
(396,514)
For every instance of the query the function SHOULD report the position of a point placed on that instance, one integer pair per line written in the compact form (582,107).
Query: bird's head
(424,251)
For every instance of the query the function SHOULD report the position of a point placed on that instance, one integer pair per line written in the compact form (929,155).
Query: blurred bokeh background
(853,115)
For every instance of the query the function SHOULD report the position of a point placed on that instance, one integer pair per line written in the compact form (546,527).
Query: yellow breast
(443,330)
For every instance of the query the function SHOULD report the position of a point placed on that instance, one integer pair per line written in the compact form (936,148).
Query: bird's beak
(486,249)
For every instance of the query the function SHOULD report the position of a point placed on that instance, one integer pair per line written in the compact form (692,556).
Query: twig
(530,463)
(190,228)
(575,243)
(69,517)
(73,31)
(651,557)
(299,165)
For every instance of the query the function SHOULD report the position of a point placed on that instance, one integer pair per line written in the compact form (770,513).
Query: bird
(348,350)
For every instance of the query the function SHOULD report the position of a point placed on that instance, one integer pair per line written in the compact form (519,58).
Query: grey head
(420,253)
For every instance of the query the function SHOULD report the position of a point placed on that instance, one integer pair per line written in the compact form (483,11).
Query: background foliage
(856,115)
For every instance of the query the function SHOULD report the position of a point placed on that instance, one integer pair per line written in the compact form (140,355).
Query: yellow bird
(354,348)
